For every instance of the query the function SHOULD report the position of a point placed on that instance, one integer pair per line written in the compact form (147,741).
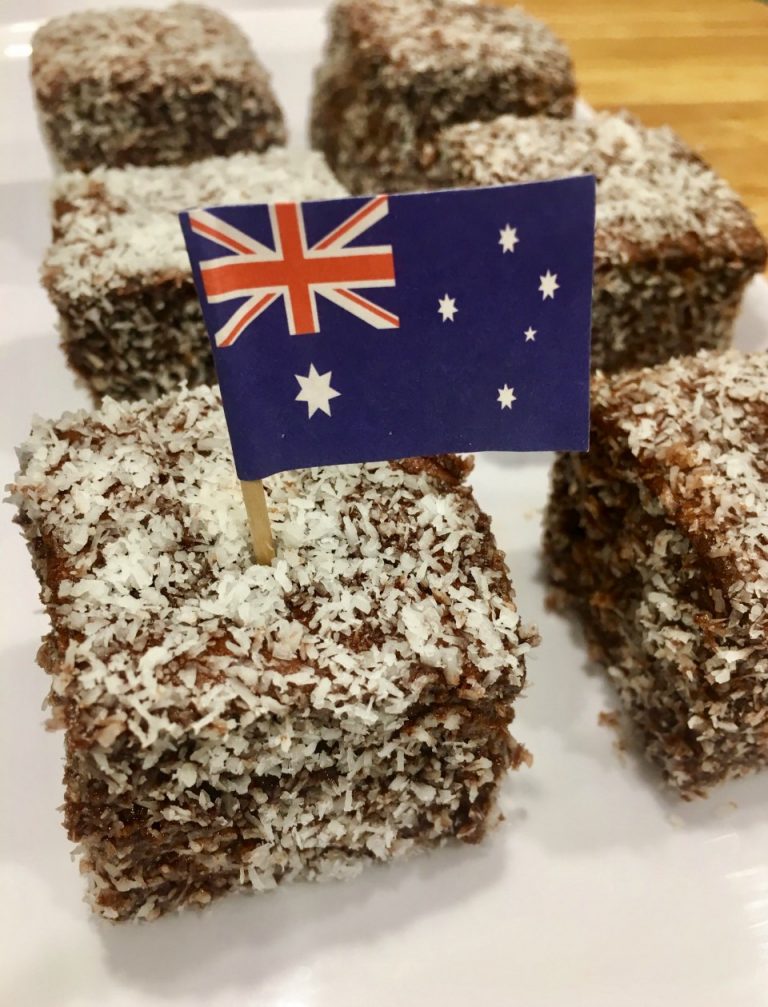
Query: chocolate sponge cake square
(142,86)
(657,539)
(394,72)
(230,726)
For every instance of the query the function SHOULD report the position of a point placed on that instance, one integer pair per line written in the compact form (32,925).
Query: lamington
(396,71)
(117,270)
(233,726)
(657,540)
(674,245)
(138,86)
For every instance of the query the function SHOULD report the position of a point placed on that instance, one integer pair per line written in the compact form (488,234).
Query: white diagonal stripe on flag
(215,229)
(361,307)
(366,217)
(244,315)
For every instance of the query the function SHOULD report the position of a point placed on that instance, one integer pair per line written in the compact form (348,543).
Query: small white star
(316,391)
(506,397)
(530,335)
(548,285)
(508,238)
(447,308)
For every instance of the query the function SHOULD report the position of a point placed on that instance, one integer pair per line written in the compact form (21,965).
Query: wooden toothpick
(258,521)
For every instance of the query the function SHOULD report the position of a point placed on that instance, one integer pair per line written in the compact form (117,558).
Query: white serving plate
(599,890)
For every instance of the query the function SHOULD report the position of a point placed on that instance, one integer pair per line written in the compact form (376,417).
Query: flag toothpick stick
(258,521)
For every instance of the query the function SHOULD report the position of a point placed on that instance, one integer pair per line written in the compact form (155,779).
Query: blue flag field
(364,329)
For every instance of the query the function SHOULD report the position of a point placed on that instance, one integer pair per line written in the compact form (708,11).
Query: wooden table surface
(699,66)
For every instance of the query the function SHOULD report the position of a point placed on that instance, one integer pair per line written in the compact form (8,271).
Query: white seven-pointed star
(530,334)
(506,397)
(548,285)
(447,308)
(508,238)
(316,391)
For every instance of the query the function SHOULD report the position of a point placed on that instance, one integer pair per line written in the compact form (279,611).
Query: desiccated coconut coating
(140,86)
(674,245)
(118,272)
(396,71)
(230,724)
(658,540)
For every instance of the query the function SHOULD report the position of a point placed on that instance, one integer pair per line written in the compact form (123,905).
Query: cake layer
(140,86)
(151,849)
(674,245)
(658,540)
(118,272)
(361,686)
(396,71)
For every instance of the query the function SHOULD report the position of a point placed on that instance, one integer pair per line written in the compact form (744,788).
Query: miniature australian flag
(365,329)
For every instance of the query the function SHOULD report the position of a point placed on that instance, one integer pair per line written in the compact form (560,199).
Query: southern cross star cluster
(317,392)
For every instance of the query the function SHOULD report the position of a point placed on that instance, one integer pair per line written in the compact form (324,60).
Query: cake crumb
(608,718)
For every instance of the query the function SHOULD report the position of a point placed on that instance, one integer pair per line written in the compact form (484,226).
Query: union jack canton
(294,271)
(447,321)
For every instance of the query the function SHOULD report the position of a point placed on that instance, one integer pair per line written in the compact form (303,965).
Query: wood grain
(700,67)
